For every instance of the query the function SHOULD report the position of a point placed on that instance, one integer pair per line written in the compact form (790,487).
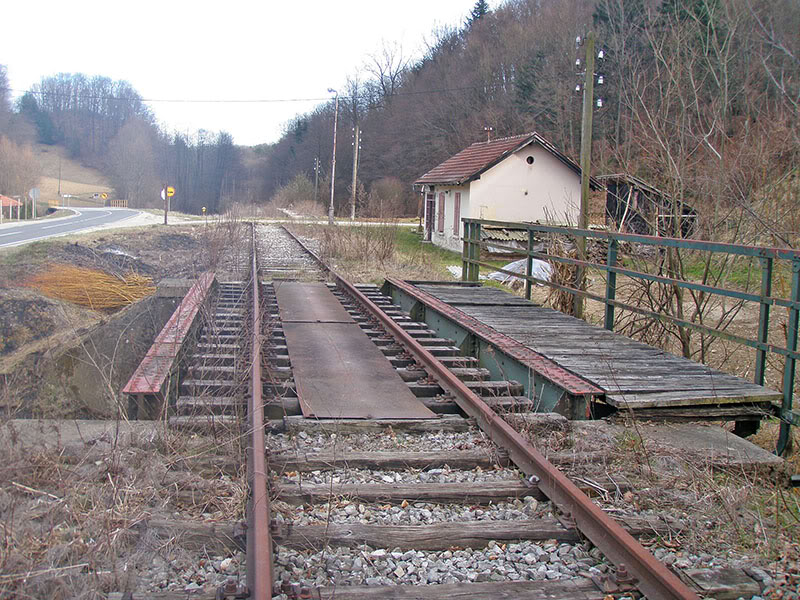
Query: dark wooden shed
(635,206)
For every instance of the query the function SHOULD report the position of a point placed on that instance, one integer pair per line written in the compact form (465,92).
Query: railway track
(457,505)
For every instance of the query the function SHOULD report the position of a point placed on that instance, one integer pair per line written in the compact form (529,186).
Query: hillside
(76,179)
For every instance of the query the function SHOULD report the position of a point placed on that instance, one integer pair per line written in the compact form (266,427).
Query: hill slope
(76,179)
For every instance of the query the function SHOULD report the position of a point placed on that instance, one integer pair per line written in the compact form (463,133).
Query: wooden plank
(457,459)
(725,583)
(441,423)
(211,466)
(396,493)
(566,589)
(695,413)
(444,535)
(688,398)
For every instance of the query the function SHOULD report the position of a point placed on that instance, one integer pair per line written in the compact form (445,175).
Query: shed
(635,206)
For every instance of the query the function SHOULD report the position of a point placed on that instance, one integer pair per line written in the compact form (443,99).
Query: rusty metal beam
(259,541)
(652,577)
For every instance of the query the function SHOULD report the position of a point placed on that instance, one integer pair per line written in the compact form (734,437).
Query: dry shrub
(388,197)
(359,243)
(74,508)
(95,289)
(563,274)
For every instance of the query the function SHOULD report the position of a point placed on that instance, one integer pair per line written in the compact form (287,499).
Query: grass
(27,254)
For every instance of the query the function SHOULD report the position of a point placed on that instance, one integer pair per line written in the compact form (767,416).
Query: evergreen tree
(480,10)
(29,108)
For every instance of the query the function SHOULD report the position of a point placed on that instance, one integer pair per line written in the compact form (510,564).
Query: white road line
(58,234)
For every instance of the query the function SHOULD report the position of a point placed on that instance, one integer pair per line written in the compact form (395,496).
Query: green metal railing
(766,256)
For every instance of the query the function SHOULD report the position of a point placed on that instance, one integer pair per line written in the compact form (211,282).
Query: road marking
(58,234)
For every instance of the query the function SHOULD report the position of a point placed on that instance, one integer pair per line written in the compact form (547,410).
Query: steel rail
(259,541)
(650,576)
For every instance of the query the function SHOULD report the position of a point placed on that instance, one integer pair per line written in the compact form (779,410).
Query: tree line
(105,124)
(701,98)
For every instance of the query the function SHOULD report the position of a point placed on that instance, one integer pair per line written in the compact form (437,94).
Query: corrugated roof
(6,201)
(481,156)
(504,234)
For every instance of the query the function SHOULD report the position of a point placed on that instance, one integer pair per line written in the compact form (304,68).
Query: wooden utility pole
(356,144)
(586,160)
(166,200)
(333,158)
(316,179)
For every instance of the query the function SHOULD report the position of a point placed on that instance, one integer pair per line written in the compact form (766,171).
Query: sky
(222,50)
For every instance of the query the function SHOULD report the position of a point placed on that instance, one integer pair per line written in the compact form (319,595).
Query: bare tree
(387,67)
(19,169)
(132,163)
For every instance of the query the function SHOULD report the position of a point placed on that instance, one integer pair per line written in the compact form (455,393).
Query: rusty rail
(650,576)
(259,541)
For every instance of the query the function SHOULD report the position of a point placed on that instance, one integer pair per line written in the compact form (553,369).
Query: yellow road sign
(170,191)
(104,196)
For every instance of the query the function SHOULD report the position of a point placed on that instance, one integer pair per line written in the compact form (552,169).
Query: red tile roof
(481,156)
(6,201)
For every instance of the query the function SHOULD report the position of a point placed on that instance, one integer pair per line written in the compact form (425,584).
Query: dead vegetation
(92,288)
(371,253)
(75,496)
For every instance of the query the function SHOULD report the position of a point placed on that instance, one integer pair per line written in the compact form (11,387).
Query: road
(85,218)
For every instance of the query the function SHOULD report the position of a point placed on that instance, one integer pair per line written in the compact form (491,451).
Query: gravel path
(381,566)
(416,513)
(442,475)
(387,441)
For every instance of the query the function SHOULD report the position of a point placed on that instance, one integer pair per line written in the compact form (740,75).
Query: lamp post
(333,160)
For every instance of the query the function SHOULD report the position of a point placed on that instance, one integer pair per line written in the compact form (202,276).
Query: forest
(700,98)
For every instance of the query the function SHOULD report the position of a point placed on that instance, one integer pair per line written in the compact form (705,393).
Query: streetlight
(333,160)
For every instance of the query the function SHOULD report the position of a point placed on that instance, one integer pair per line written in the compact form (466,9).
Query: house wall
(512,190)
(450,238)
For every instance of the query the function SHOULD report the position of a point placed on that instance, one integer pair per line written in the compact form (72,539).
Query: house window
(440,224)
(457,215)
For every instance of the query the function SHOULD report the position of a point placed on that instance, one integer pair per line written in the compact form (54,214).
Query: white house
(518,178)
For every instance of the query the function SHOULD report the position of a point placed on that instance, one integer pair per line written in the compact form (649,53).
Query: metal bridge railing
(766,256)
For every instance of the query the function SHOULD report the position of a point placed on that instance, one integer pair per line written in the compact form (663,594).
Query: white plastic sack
(539,269)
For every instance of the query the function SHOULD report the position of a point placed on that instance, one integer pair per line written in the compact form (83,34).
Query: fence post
(476,251)
(611,283)
(789,368)
(529,265)
(763,319)
(465,251)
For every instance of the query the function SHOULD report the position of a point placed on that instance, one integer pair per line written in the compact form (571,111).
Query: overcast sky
(221,50)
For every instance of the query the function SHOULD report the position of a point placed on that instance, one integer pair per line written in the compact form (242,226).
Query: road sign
(170,191)
(34,194)
(104,196)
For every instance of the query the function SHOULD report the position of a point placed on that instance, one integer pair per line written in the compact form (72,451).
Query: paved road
(85,218)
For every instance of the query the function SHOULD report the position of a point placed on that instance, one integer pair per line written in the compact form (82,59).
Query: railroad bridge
(293,346)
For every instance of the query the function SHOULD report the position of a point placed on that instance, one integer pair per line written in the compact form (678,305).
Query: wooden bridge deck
(632,374)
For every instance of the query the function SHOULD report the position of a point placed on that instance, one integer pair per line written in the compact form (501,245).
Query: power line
(239,100)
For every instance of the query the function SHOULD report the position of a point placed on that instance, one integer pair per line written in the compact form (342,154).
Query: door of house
(430,207)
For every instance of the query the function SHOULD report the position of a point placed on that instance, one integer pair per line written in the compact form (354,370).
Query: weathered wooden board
(633,374)
(396,493)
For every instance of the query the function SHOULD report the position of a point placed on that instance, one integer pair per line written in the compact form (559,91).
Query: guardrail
(767,256)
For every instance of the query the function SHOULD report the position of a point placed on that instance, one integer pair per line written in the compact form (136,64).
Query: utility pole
(356,147)
(166,201)
(333,160)
(316,179)
(586,160)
